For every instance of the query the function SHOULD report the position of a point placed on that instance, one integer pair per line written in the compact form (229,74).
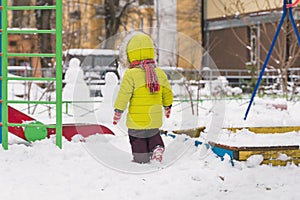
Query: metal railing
(240,77)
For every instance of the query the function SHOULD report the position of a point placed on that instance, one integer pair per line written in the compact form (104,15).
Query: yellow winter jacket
(145,108)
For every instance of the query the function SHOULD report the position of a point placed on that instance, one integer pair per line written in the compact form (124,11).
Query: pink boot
(157,154)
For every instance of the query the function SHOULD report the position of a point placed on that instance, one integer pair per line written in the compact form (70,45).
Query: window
(150,23)
(254,31)
(146,2)
(12,61)
(132,24)
(13,43)
(99,10)
(75,15)
(142,23)
(85,5)
(86,33)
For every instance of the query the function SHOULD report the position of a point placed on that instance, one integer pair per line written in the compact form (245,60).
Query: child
(146,88)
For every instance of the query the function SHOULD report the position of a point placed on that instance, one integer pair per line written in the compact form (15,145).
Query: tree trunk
(43,22)
(113,15)
(19,19)
(110,22)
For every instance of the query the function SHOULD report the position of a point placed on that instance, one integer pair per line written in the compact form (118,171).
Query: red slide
(68,130)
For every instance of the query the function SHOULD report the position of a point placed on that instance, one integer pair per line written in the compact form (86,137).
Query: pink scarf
(151,77)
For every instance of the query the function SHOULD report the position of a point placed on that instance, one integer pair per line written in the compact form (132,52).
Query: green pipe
(29,31)
(30,7)
(30,55)
(59,73)
(48,102)
(31,102)
(30,79)
(31,125)
(67,108)
(4,75)
(81,102)
(5,78)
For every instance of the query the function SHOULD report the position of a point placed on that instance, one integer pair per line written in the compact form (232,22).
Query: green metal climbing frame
(5,78)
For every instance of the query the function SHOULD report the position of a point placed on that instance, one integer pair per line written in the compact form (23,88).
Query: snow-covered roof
(86,52)
(171,68)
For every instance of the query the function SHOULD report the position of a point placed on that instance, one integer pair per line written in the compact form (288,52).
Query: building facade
(23,43)
(84,27)
(238,34)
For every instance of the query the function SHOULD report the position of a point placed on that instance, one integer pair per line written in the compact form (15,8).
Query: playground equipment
(4,74)
(18,123)
(270,154)
(32,133)
(285,8)
(292,4)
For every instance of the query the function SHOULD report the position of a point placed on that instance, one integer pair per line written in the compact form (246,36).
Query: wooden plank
(224,146)
(193,132)
(268,148)
(281,162)
(268,154)
(258,148)
(266,130)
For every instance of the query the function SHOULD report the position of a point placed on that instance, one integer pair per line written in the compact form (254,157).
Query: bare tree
(20,19)
(114,12)
(43,21)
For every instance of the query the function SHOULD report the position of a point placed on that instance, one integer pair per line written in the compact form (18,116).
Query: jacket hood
(136,46)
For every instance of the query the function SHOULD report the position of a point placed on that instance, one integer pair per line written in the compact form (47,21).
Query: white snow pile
(43,171)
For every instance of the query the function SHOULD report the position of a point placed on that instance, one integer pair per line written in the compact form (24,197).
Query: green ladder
(58,78)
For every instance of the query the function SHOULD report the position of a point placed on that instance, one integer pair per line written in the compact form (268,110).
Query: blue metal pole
(267,58)
(293,22)
(1,70)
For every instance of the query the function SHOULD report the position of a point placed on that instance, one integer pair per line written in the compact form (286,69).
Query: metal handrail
(31,7)
(30,31)
(31,79)
(30,102)
(32,125)
(31,55)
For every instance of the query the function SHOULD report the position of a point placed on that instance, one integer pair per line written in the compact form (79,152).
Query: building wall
(186,37)
(224,48)
(228,38)
(87,29)
(221,8)
(83,24)
(139,18)
(189,34)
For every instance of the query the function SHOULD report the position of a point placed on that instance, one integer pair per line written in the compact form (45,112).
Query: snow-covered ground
(43,171)
(101,167)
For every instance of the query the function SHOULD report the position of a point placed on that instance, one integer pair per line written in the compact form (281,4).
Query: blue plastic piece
(197,143)
(221,152)
(171,135)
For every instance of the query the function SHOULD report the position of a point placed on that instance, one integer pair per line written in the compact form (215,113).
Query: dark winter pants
(142,147)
